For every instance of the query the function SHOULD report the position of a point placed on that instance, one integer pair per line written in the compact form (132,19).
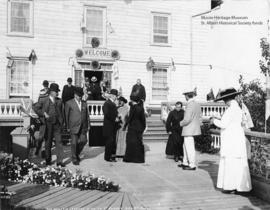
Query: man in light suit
(77,118)
(191,127)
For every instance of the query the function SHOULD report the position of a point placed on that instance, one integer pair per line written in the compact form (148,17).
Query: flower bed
(17,170)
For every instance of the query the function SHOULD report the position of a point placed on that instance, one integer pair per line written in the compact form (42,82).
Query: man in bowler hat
(77,118)
(50,111)
(191,127)
(110,125)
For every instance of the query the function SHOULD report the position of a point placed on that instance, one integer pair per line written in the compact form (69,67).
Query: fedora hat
(69,79)
(93,79)
(54,87)
(114,92)
(228,93)
(78,91)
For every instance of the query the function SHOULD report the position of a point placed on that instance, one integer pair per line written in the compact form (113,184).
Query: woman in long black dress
(136,125)
(174,145)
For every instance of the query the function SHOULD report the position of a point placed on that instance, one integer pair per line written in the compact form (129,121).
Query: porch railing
(208,109)
(10,114)
(95,112)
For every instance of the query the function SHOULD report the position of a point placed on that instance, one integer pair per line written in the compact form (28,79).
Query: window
(20,17)
(161,29)
(19,78)
(95,20)
(159,84)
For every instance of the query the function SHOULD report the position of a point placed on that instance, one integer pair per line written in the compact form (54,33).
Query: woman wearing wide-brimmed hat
(233,174)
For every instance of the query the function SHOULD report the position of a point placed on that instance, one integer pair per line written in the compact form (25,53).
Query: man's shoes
(61,164)
(188,168)
(111,160)
(182,165)
(78,158)
(76,163)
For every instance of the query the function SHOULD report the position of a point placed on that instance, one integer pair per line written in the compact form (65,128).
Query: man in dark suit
(50,111)
(68,91)
(139,90)
(77,118)
(94,90)
(109,125)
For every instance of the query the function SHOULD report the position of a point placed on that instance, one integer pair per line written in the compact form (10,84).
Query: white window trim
(161,14)
(104,9)
(31,23)
(30,72)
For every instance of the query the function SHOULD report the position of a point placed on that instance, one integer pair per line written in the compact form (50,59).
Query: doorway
(97,74)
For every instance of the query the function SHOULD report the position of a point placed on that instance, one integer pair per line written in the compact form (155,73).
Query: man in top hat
(50,111)
(94,90)
(77,118)
(191,127)
(110,125)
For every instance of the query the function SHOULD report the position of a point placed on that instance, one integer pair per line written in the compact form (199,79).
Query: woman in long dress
(123,110)
(136,125)
(233,173)
(174,145)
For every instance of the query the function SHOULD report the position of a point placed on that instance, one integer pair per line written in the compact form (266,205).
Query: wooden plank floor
(157,184)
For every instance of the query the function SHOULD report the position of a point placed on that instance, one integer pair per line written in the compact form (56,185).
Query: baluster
(101,111)
(5,109)
(92,110)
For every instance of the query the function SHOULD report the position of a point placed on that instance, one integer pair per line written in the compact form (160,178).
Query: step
(157,132)
(161,128)
(155,138)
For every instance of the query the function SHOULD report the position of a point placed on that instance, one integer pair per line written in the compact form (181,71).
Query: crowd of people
(124,124)
(182,126)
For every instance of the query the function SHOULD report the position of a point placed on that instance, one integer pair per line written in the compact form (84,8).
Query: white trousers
(189,151)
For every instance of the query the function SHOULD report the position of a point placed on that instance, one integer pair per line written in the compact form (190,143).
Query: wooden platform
(158,184)
(29,196)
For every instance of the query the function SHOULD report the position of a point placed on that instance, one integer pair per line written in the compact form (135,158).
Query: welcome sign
(97,53)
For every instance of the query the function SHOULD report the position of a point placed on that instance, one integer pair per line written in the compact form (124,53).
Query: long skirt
(134,147)
(121,142)
(174,145)
(233,174)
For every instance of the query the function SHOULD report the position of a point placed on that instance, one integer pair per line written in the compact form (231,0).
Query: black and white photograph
(134,104)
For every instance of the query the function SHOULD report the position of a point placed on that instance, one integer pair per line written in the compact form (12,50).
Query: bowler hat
(93,79)
(114,92)
(69,79)
(78,91)
(54,87)
(228,93)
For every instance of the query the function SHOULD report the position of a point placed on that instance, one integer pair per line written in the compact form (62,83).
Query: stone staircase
(156,130)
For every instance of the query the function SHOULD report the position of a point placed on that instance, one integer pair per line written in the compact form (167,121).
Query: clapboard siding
(57,34)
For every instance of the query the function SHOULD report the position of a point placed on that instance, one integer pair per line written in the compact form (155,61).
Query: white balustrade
(95,110)
(9,109)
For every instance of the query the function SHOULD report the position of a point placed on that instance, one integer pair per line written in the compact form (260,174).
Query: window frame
(161,14)
(104,10)
(30,78)
(31,19)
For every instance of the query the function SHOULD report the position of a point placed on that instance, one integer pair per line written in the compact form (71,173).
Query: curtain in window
(94,25)
(159,84)
(20,17)
(19,78)
(160,29)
